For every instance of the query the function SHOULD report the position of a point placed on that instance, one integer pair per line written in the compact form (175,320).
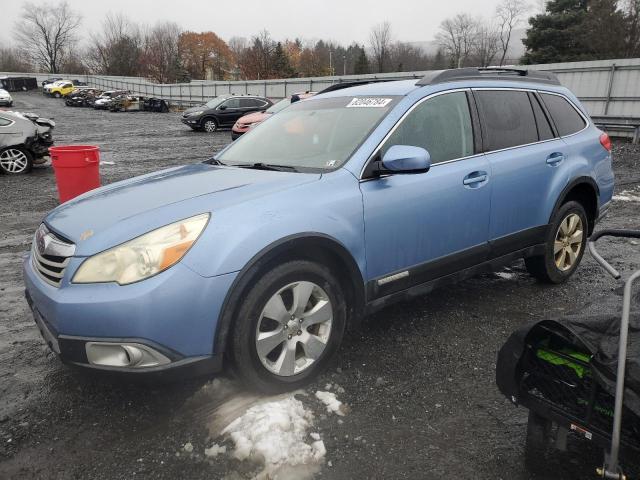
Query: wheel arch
(305,246)
(585,191)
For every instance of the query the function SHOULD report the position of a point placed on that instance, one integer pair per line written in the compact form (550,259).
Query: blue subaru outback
(335,207)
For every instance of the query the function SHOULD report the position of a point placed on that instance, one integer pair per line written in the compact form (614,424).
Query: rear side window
(566,118)
(441,124)
(507,117)
(544,128)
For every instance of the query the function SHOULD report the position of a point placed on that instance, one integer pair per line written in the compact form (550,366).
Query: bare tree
(486,44)
(12,61)
(117,48)
(46,33)
(380,41)
(508,14)
(457,37)
(160,59)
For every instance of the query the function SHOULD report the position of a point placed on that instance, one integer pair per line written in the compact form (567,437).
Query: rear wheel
(289,326)
(565,244)
(15,160)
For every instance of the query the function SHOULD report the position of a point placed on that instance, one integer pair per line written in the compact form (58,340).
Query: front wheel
(289,326)
(57,95)
(565,244)
(209,125)
(14,160)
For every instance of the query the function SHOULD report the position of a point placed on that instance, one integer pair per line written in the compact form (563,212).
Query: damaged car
(25,139)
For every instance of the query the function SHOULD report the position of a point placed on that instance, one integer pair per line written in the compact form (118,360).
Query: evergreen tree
(281,65)
(604,30)
(362,63)
(557,35)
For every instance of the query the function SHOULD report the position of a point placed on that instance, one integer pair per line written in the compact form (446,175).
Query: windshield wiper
(268,166)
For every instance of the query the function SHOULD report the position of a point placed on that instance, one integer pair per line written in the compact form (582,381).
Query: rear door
(525,156)
(419,227)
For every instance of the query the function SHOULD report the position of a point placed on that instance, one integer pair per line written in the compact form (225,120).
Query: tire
(557,266)
(273,367)
(209,125)
(57,95)
(15,161)
(538,443)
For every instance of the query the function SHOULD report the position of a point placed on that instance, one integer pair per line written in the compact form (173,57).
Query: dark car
(24,138)
(223,111)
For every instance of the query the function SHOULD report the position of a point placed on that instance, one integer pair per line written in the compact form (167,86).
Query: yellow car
(60,89)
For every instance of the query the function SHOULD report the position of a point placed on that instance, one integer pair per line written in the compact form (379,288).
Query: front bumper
(235,135)
(6,101)
(174,313)
(191,121)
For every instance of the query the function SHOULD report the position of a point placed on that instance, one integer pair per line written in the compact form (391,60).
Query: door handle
(475,178)
(555,159)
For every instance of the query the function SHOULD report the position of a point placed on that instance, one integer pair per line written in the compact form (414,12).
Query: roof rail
(491,73)
(356,83)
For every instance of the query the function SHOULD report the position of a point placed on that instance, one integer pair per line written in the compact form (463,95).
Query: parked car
(49,81)
(335,207)
(252,119)
(5,98)
(46,90)
(61,89)
(223,111)
(104,101)
(24,139)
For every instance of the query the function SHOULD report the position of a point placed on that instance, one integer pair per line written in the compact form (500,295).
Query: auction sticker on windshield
(369,102)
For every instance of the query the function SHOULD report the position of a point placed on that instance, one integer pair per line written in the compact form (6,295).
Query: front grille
(50,256)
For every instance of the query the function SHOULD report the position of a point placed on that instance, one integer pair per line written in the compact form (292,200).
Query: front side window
(4,122)
(441,125)
(566,118)
(232,103)
(507,118)
(319,134)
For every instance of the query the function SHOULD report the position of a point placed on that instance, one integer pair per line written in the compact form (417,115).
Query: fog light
(131,355)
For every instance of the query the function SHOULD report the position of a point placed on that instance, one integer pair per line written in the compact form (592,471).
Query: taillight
(605,141)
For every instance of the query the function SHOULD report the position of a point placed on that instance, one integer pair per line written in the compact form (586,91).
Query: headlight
(195,114)
(144,256)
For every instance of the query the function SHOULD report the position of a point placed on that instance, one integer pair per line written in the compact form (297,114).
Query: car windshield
(316,134)
(281,105)
(215,102)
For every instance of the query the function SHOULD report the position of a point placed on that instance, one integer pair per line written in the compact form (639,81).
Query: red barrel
(76,168)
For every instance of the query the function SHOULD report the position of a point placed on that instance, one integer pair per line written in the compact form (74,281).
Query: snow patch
(628,196)
(275,432)
(215,450)
(505,275)
(332,403)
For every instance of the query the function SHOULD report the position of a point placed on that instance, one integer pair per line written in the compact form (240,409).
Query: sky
(344,21)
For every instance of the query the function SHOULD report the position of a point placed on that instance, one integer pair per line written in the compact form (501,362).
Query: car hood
(197,108)
(254,117)
(121,211)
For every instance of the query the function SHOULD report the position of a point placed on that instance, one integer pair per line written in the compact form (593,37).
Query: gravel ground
(418,377)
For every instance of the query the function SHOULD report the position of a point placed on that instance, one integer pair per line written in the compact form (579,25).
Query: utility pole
(344,65)
(330,63)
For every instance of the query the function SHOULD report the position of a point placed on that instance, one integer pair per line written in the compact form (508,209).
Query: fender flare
(272,251)
(570,186)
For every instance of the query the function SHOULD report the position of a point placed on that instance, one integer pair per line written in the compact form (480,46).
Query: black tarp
(597,334)
(18,84)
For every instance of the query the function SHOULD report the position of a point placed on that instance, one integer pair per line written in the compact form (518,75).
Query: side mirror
(222,107)
(406,159)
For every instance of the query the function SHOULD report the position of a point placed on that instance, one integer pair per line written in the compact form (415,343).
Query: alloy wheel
(568,242)
(210,126)
(13,160)
(294,328)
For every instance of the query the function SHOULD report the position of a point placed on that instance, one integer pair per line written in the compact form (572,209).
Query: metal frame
(611,469)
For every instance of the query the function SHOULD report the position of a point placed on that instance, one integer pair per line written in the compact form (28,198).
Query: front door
(419,227)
